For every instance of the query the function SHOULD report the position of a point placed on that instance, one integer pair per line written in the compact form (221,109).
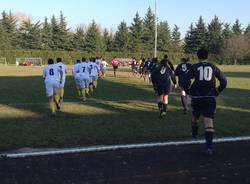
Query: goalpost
(3,61)
(28,61)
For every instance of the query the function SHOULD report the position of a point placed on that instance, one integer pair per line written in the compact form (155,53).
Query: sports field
(122,110)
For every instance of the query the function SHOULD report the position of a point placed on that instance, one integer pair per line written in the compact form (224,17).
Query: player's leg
(49,94)
(184,100)
(95,78)
(91,89)
(208,114)
(165,103)
(209,132)
(56,95)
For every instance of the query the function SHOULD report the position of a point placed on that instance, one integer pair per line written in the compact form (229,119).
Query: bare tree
(235,48)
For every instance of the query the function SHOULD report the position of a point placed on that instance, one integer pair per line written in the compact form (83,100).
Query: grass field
(122,110)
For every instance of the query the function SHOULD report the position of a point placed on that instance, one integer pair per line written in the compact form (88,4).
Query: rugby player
(84,78)
(115,63)
(181,72)
(203,92)
(53,77)
(161,79)
(64,70)
(76,76)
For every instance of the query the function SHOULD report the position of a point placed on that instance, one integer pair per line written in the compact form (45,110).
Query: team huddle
(197,81)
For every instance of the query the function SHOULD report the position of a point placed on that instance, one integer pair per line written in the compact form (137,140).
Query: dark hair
(155,60)
(78,61)
(165,56)
(58,60)
(202,54)
(163,63)
(83,59)
(50,61)
(185,60)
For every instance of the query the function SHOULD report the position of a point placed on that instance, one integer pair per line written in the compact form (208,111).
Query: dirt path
(171,164)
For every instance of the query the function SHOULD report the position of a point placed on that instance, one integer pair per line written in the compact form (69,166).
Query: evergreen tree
(9,25)
(247,31)
(215,39)
(136,33)
(164,37)
(55,30)
(121,38)
(176,39)
(200,37)
(78,38)
(237,30)
(227,32)
(148,30)
(30,35)
(4,39)
(107,40)
(189,40)
(93,40)
(46,35)
(65,36)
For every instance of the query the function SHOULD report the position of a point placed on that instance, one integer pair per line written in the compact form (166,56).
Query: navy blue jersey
(162,76)
(204,84)
(152,66)
(170,64)
(182,72)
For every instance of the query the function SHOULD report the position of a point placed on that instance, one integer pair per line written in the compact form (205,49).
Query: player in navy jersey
(181,72)
(203,91)
(169,63)
(161,79)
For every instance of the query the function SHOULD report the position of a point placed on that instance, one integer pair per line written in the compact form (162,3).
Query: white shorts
(51,87)
(94,78)
(84,82)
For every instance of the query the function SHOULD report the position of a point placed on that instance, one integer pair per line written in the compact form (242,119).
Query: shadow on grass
(132,116)
(238,74)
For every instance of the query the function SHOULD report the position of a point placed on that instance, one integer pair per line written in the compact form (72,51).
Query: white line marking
(119,147)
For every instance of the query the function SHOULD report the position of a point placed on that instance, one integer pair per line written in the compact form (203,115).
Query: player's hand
(217,92)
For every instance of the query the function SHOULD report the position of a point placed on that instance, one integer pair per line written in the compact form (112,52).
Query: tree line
(226,42)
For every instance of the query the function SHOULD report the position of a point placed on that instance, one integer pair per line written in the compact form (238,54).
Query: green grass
(122,110)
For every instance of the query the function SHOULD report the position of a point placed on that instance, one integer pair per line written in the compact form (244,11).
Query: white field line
(119,147)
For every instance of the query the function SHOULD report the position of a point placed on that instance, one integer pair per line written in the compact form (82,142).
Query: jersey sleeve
(222,79)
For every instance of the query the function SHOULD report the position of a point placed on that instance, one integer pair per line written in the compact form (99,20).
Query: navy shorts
(163,90)
(204,107)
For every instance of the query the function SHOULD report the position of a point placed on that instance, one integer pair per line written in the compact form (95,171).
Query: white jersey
(93,69)
(75,69)
(84,70)
(104,64)
(52,73)
(98,62)
(63,68)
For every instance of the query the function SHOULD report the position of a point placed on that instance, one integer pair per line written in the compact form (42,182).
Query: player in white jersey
(76,76)
(103,67)
(52,75)
(64,70)
(93,74)
(84,79)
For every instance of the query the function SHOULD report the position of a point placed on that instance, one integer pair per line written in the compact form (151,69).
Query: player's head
(143,59)
(155,60)
(163,63)
(58,60)
(78,61)
(165,56)
(184,60)
(202,54)
(50,61)
(83,59)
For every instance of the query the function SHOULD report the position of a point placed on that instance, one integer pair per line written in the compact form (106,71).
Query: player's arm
(173,78)
(44,73)
(222,79)
(171,65)
(61,75)
(187,82)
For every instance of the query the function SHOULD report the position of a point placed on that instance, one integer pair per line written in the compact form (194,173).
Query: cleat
(162,114)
